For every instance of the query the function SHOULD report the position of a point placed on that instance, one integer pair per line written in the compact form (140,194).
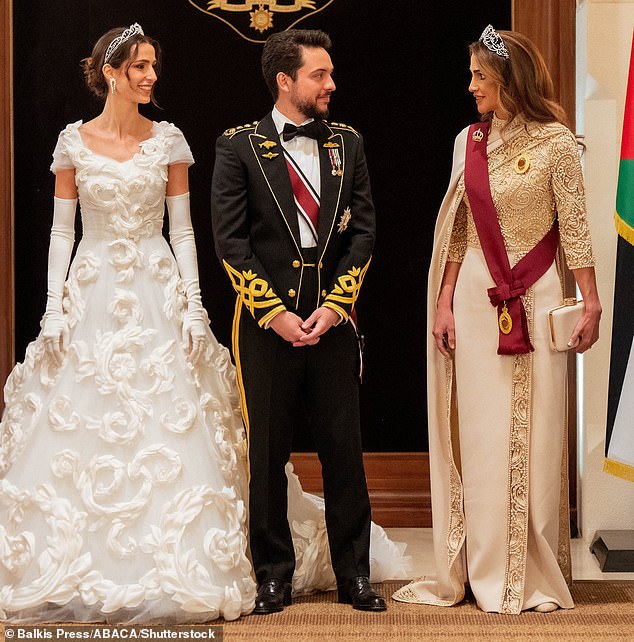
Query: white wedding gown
(123,475)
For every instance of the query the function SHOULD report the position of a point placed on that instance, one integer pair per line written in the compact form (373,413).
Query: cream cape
(446,484)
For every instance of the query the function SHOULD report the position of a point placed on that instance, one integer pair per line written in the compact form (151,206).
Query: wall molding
(7,355)
(398,484)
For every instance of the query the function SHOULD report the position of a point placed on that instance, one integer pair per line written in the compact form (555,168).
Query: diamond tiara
(492,40)
(119,40)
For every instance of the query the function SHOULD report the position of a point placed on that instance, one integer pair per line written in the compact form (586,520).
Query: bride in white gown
(123,477)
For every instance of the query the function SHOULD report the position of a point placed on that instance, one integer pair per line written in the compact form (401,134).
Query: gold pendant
(504,321)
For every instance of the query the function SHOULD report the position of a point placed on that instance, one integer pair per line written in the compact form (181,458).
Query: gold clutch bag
(562,321)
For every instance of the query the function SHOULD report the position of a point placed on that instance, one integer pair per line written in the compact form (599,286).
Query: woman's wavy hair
(526,87)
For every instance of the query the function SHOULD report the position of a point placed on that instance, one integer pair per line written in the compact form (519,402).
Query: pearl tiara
(492,40)
(132,30)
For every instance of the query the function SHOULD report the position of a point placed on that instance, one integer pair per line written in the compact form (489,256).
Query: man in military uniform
(294,228)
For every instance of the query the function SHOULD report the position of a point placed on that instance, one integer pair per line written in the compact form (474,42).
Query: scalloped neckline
(114,160)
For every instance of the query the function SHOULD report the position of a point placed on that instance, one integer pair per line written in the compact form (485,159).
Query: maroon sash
(509,283)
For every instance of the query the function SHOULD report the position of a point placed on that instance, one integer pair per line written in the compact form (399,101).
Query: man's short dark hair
(283,52)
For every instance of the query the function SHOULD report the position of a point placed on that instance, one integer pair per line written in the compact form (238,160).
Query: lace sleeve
(570,200)
(458,241)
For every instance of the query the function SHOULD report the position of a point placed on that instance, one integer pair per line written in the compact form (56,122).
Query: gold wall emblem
(254,20)
(261,19)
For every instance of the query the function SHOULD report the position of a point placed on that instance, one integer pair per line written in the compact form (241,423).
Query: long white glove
(195,320)
(54,325)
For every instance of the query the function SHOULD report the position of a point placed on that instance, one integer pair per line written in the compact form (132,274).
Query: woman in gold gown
(497,422)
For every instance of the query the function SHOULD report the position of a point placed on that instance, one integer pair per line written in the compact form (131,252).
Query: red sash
(509,283)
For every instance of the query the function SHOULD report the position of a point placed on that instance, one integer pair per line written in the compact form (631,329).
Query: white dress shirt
(305,152)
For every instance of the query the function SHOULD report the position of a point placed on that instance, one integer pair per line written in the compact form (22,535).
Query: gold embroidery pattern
(455,530)
(517,519)
(458,242)
(527,203)
(255,293)
(347,290)
(563,549)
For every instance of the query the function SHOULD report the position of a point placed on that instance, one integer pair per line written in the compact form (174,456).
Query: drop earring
(113,85)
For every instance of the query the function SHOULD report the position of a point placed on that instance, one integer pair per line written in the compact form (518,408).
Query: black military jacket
(255,219)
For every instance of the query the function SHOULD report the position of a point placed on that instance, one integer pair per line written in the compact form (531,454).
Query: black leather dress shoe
(273,596)
(359,592)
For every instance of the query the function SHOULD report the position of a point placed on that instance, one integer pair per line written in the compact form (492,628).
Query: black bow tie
(311,130)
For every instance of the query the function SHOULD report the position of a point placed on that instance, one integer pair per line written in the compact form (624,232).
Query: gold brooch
(477,135)
(522,163)
(270,155)
(268,144)
(344,220)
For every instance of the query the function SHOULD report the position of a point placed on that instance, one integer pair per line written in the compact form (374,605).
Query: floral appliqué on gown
(123,478)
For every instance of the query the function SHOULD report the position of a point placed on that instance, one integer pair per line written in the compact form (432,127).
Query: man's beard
(310,110)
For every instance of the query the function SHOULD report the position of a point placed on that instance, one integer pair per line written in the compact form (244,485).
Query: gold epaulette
(240,128)
(344,126)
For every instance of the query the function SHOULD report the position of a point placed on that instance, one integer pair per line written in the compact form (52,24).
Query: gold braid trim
(254,292)
(239,128)
(343,126)
(618,469)
(346,290)
(338,309)
(623,229)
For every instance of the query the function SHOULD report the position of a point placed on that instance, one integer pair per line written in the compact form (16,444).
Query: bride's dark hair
(123,56)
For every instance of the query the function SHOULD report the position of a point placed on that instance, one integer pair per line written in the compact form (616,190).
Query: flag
(619,443)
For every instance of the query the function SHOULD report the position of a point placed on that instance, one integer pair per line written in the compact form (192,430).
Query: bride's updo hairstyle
(526,87)
(121,56)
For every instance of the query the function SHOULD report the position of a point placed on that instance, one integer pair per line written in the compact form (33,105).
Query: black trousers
(308,388)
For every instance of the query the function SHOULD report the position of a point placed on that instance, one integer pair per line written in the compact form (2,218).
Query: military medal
(504,320)
(335,161)
(270,155)
(268,144)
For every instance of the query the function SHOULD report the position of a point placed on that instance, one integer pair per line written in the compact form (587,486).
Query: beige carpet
(604,613)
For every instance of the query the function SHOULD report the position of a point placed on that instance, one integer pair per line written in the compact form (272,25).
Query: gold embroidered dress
(497,422)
